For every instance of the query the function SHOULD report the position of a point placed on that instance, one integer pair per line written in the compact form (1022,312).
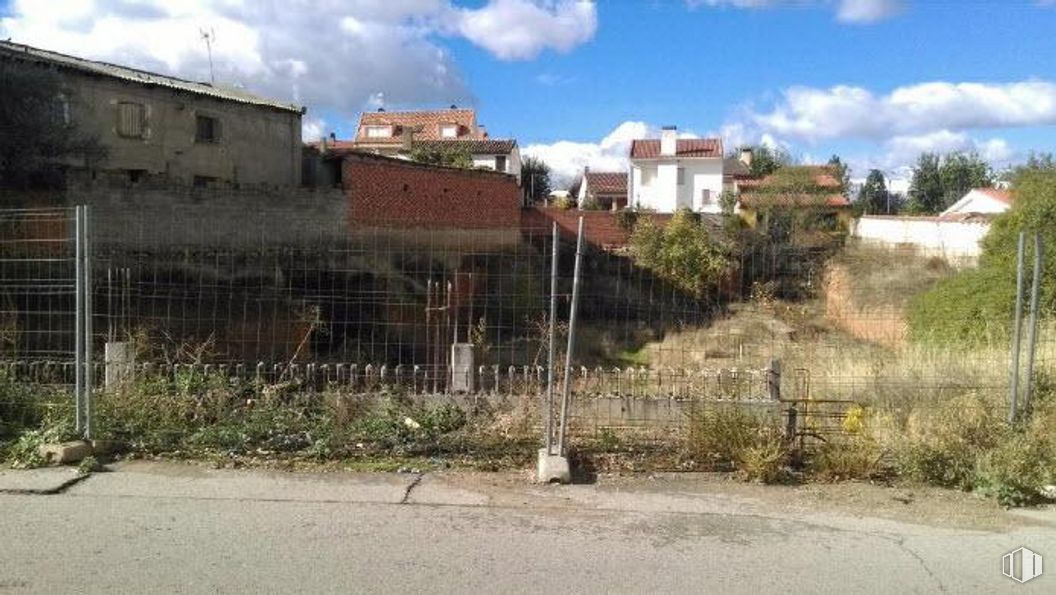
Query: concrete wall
(654,184)
(171,216)
(257,145)
(956,241)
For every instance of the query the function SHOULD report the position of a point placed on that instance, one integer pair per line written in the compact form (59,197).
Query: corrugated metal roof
(25,52)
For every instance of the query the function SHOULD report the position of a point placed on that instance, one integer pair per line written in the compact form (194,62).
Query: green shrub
(973,308)
(976,306)
(681,252)
(562,203)
(626,219)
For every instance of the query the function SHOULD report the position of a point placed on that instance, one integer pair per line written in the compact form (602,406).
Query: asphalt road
(165,528)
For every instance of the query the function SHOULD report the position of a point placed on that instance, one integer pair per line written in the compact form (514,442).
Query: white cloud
(847,11)
(867,11)
(332,55)
(813,114)
(312,129)
(521,29)
(567,158)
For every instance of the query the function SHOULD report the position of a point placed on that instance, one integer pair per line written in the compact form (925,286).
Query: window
(500,163)
(207,129)
(204,181)
(449,131)
(681,176)
(61,109)
(131,119)
(705,197)
(379,131)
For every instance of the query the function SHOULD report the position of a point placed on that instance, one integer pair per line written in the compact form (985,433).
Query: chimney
(483,130)
(746,156)
(668,141)
(407,135)
(453,106)
(381,109)
(333,136)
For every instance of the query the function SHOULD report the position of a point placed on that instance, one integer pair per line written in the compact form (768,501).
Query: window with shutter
(131,119)
(500,163)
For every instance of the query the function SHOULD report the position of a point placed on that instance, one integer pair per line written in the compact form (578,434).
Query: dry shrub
(943,441)
(729,437)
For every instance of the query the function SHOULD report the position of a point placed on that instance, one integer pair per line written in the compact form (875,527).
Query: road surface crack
(410,488)
(901,543)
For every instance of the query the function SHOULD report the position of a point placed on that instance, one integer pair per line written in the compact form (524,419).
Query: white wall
(977,202)
(956,241)
(513,162)
(654,184)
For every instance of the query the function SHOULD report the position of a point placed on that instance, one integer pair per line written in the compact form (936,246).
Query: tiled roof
(606,182)
(805,199)
(734,167)
(997,194)
(822,176)
(684,147)
(490,146)
(424,124)
(150,79)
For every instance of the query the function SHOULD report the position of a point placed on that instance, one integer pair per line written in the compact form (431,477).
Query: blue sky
(573,81)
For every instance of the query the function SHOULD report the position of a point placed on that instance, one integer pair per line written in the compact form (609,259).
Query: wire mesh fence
(274,296)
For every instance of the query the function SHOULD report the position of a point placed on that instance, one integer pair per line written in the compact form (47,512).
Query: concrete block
(65,453)
(462,367)
(553,468)
(118,358)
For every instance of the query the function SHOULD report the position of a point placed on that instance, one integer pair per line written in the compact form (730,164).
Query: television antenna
(209,37)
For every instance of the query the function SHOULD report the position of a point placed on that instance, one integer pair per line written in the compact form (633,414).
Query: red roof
(684,147)
(760,199)
(997,194)
(606,182)
(425,125)
(822,176)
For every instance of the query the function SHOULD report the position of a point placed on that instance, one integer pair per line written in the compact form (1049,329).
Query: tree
(535,178)
(38,137)
(925,188)
(681,252)
(873,196)
(767,160)
(453,156)
(843,173)
(938,183)
(960,172)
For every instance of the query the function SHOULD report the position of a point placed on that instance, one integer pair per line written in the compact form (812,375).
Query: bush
(942,442)
(562,203)
(728,438)
(681,253)
(976,306)
(627,219)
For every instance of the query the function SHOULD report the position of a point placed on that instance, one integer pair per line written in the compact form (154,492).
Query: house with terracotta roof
(813,190)
(671,173)
(400,133)
(989,201)
(606,189)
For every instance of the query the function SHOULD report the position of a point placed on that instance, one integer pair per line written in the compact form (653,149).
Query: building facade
(671,173)
(155,125)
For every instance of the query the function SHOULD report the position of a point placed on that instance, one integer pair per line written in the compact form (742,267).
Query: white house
(671,173)
(981,200)
(605,189)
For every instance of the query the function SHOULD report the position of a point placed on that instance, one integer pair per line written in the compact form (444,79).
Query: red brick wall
(600,227)
(388,192)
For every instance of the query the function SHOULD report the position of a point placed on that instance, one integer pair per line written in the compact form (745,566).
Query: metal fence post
(549,426)
(1032,326)
(566,393)
(88,379)
(1013,395)
(78,322)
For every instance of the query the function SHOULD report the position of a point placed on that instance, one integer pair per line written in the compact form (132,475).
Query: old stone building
(155,125)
